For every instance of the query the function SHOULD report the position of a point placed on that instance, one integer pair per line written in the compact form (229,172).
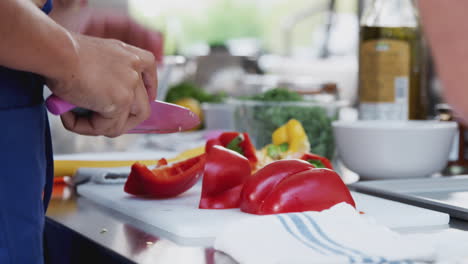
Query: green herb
(275,151)
(277,95)
(235,144)
(190,90)
(316,163)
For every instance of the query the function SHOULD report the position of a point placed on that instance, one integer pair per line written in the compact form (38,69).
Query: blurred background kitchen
(223,57)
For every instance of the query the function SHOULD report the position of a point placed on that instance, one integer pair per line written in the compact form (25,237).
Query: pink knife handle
(58,106)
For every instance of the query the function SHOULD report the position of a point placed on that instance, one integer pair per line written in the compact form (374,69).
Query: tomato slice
(165,180)
(224,175)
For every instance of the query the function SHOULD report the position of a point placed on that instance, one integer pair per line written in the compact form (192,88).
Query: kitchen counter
(77,227)
(80,231)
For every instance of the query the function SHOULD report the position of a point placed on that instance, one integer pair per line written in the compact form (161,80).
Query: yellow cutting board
(69,167)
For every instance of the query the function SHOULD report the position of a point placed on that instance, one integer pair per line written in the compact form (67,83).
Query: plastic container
(218,116)
(260,119)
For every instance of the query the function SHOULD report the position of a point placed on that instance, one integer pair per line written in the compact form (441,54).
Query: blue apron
(26,166)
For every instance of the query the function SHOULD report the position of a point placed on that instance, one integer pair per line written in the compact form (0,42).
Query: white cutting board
(181,216)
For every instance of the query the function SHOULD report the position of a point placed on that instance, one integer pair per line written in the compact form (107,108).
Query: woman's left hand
(123,28)
(77,17)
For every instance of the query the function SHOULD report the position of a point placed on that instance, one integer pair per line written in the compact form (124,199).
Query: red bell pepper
(310,190)
(165,180)
(317,161)
(292,186)
(225,173)
(161,162)
(259,185)
(239,142)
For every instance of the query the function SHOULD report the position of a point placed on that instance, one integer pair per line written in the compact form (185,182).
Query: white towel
(451,245)
(337,235)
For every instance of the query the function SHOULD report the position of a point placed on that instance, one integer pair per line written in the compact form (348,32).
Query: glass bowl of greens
(262,114)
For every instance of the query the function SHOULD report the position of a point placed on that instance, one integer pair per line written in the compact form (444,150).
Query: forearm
(31,41)
(445,23)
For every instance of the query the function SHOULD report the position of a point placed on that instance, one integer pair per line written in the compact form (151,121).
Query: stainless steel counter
(122,238)
(127,241)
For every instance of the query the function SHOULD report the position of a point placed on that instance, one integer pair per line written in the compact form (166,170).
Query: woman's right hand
(113,79)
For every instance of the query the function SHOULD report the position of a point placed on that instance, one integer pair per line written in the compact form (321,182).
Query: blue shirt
(26,165)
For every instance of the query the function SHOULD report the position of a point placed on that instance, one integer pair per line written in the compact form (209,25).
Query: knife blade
(164,118)
(116,175)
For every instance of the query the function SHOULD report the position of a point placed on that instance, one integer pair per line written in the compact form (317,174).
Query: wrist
(65,57)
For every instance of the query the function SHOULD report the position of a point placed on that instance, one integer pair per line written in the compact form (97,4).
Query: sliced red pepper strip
(164,181)
(292,186)
(224,175)
(134,184)
(248,149)
(309,157)
(258,186)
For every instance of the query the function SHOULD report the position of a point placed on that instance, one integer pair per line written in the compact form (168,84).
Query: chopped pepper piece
(161,162)
(294,135)
(276,151)
(225,173)
(239,142)
(165,180)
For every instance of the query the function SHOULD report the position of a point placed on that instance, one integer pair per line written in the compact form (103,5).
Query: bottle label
(384,72)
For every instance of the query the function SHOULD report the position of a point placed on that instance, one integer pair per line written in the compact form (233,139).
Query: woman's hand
(76,16)
(39,3)
(122,27)
(111,78)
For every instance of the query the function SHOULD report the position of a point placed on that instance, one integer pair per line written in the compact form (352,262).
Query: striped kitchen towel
(337,235)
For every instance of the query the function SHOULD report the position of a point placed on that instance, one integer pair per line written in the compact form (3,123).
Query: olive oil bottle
(390,62)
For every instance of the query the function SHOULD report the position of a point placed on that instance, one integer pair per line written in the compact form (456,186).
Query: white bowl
(394,149)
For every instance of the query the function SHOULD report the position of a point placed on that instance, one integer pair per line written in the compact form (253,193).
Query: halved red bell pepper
(225,173)
(165,180)
(292,186)
(310,190)
(317,161)
(239,142)
(259,185)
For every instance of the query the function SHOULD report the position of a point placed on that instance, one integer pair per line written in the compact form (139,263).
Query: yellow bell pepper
(294,135)
(280,136)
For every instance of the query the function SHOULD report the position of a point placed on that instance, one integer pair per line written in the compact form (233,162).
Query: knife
(164,118)
(117,175)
